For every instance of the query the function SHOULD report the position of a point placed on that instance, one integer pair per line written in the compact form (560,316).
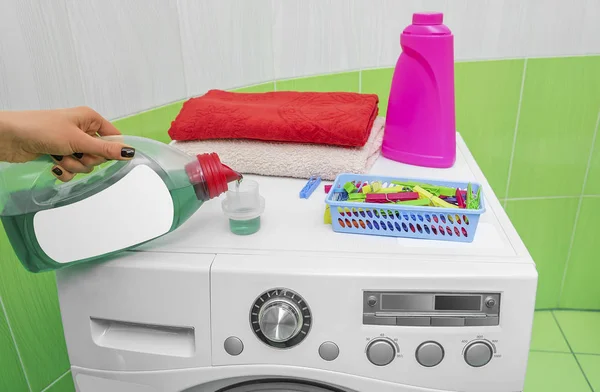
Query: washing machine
(299,308)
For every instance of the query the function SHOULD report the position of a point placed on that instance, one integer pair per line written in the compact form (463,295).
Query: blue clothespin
(310,187)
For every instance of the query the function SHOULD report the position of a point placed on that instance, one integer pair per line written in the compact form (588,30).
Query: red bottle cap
(210,176)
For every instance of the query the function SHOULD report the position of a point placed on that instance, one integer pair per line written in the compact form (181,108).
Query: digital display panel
(457,302)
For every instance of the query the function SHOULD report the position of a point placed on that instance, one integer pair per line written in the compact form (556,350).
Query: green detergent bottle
(118,206)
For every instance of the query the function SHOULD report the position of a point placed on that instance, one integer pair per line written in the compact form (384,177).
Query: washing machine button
(429,354)
(381,352)
(233,346)
(478,354)
(329,351)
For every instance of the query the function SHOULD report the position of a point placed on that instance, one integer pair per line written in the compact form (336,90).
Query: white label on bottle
(135,209)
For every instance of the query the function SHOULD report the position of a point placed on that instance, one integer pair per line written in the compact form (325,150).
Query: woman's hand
(68,135)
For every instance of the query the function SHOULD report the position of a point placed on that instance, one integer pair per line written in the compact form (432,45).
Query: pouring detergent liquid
(118,206)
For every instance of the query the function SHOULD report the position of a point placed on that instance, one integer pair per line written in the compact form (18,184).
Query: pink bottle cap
(428,18)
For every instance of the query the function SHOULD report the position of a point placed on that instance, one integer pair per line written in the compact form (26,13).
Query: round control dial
(280,318)
(478,354)
(381,352)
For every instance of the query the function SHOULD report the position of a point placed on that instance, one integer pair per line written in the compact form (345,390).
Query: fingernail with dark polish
(127,152)
(57,157)
(57,171)
(78,155)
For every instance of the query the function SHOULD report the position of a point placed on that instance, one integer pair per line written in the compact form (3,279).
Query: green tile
(591,367)
(378,81)
(581,289)
(554,372)
(546,335)
(487,101)
(545,225)
(31,303)
(560,105)
(65,384)
(347,81)
(259,88)
(11,373)
(153,124)
(581,330)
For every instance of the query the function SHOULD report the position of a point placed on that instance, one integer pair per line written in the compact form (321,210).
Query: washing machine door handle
(280,386)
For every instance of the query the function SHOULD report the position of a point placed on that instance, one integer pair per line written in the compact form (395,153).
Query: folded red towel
(342,119)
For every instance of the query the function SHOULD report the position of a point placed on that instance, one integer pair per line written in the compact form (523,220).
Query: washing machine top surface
(291,224)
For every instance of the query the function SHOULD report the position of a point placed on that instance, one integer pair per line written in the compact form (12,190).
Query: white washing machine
(299,308)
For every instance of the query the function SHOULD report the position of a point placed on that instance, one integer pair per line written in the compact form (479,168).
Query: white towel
(291,159)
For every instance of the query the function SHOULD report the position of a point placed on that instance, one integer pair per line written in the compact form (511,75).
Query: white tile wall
(129,53)
(226,43)
(122,57)
(315,36)
(38,65)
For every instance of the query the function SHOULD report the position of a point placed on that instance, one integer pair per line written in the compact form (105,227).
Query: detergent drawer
(142,311)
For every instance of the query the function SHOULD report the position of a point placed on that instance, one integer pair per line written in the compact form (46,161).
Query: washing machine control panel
(280,318)
(419,309)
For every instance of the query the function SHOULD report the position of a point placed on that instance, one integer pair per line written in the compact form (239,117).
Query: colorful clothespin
(327,188)
(441,203)
(392,189)
(350,187)
(367,189)
(459,199)
(340,195)
(357,197)
(327,215)
(391,197)
(475,201)
(310,187)
(376,186)
(417,202)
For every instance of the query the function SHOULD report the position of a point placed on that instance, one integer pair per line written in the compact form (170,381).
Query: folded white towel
(291,159)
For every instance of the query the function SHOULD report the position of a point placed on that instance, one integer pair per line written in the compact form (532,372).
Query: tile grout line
(571,349)
(540,198)
(514,143)
(360,81)
(55,381)
(578,211)
(12,335)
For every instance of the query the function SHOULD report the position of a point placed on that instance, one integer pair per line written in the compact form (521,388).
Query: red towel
(341,119)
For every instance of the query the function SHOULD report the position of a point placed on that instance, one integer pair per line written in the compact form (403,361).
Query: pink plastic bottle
(420,126)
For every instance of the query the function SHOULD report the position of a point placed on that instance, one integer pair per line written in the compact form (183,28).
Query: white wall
(126,56)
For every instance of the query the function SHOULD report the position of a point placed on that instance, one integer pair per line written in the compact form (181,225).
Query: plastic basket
(393,220)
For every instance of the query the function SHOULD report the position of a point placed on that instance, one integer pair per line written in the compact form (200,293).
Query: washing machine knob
(478,354)
(381,352)
(280,320)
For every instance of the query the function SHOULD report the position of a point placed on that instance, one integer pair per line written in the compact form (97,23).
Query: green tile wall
(552,104)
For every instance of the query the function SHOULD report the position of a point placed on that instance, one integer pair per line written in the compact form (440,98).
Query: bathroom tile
(259,88)
(546,335)
(592,185)
(545,225)
(11,373)
(313,37)
(591,367)
(346,81)
(153,124)
(559,109)
(39,68)
(225,44)
(581,330)
(32,308)
(581,289)
(378,81)
(554,372)
(64,384)
(129,54)
(487,100)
